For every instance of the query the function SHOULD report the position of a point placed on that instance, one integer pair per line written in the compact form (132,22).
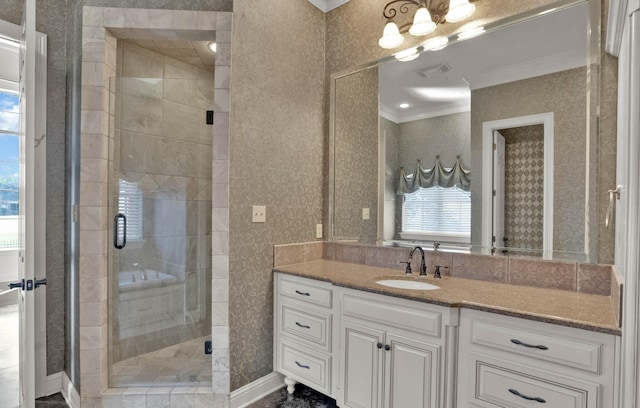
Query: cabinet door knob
(387,347)
(379,345)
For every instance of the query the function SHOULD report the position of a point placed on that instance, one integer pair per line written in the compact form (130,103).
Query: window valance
(438,175)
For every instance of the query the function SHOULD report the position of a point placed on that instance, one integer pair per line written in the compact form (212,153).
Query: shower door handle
(116,230)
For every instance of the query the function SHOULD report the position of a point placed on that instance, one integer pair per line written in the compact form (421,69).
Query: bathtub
(133,280)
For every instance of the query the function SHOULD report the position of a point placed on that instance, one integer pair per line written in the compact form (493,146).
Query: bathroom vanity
(467,344)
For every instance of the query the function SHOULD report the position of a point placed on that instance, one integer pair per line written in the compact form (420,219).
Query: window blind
(437,210)
(130,204)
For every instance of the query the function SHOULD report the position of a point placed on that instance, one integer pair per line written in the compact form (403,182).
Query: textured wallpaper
(564,94)
(51,20)
(524,176)
(356,156)
(276,160)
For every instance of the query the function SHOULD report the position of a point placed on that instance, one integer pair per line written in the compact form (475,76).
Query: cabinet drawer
(508,388)
(313,369)
(305,290)
(556,348)
(313,327)
(404,314)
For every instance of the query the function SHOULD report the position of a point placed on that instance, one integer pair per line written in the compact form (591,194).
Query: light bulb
(391,37)
(459,10)
(407,55)
(422,23)
(470,32)
(435,43)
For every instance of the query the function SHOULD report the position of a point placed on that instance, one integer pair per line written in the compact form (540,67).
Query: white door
(26,204)
(362,365)
(412,376)
(498,189)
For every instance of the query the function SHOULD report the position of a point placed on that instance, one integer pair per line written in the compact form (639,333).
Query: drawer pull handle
(303,326)
(536,399)
(519,343)
(302,365)
(303,293)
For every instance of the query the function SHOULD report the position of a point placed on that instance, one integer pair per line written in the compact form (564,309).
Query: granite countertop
(584,311)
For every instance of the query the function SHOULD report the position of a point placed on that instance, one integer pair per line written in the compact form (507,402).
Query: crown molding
(328,5)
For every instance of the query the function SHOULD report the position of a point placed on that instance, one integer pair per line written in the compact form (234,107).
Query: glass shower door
(160,206)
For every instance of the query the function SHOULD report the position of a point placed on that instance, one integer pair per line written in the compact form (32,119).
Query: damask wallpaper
(524,176)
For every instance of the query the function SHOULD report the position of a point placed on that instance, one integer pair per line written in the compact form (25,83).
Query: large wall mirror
(487,145)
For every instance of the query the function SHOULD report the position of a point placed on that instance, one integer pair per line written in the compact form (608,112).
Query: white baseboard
(53,384)
(69,392)
(252,392)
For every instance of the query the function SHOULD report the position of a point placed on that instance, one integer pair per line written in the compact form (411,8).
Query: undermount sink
(407,284)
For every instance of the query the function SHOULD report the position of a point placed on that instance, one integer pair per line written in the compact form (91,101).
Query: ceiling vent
(435,71)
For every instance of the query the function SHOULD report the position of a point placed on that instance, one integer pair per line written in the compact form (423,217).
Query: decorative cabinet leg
(291,384)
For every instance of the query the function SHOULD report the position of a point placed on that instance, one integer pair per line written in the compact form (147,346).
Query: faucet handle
(423,268)
(436,274)
(408,268)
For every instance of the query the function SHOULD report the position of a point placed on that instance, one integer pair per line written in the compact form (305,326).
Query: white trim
(420,113)
(328,5)
(69,392)
(252,392)
(530,69)
(547,120)
(615,25)
(40,214)
(53,384)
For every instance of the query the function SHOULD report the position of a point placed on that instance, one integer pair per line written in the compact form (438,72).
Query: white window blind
(130,204)
(437,212)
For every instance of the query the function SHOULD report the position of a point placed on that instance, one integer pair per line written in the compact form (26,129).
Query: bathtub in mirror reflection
(395,116)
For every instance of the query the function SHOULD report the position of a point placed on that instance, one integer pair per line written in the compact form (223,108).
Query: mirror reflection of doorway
(517,202)
(519,184)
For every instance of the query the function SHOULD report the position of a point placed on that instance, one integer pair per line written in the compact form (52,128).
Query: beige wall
(276,160)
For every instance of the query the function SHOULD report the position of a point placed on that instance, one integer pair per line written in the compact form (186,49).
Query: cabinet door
(362,365)
(412,376)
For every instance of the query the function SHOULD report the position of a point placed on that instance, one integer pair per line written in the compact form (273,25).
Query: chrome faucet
(436,246)
(423,267)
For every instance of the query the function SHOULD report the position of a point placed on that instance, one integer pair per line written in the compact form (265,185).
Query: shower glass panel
(160,207)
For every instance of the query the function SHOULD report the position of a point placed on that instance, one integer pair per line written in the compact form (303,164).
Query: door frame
(545,119)
(13,31)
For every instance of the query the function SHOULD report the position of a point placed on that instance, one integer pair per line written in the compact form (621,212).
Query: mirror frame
(592,84)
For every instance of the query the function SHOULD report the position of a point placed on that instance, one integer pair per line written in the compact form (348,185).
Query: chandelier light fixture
(428,14)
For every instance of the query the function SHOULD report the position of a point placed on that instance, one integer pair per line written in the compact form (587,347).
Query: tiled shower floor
(182,364)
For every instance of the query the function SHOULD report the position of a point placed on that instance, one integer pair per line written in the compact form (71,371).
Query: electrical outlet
(318,230)
(259,213)
(365,213)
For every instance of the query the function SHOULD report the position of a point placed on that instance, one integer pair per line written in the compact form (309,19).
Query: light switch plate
(259,213)
(365,213)
(318,230)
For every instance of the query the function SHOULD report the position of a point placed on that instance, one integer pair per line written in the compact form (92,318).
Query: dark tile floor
(52,401)
(303,397)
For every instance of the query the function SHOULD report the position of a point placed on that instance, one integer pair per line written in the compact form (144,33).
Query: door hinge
(209,117)
(493,238)
(495,193)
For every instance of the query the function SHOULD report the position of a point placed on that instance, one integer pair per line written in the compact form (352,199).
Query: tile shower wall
(563,94)
(164,146)
(98,65)
(524,173)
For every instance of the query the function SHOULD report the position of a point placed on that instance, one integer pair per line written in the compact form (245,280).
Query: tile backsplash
(572,276)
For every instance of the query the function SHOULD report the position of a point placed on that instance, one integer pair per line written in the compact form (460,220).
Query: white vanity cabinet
(510,362)
(393,352)
(303,321)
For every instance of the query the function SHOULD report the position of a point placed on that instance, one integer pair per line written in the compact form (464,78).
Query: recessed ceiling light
(404,105)
(213,47)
